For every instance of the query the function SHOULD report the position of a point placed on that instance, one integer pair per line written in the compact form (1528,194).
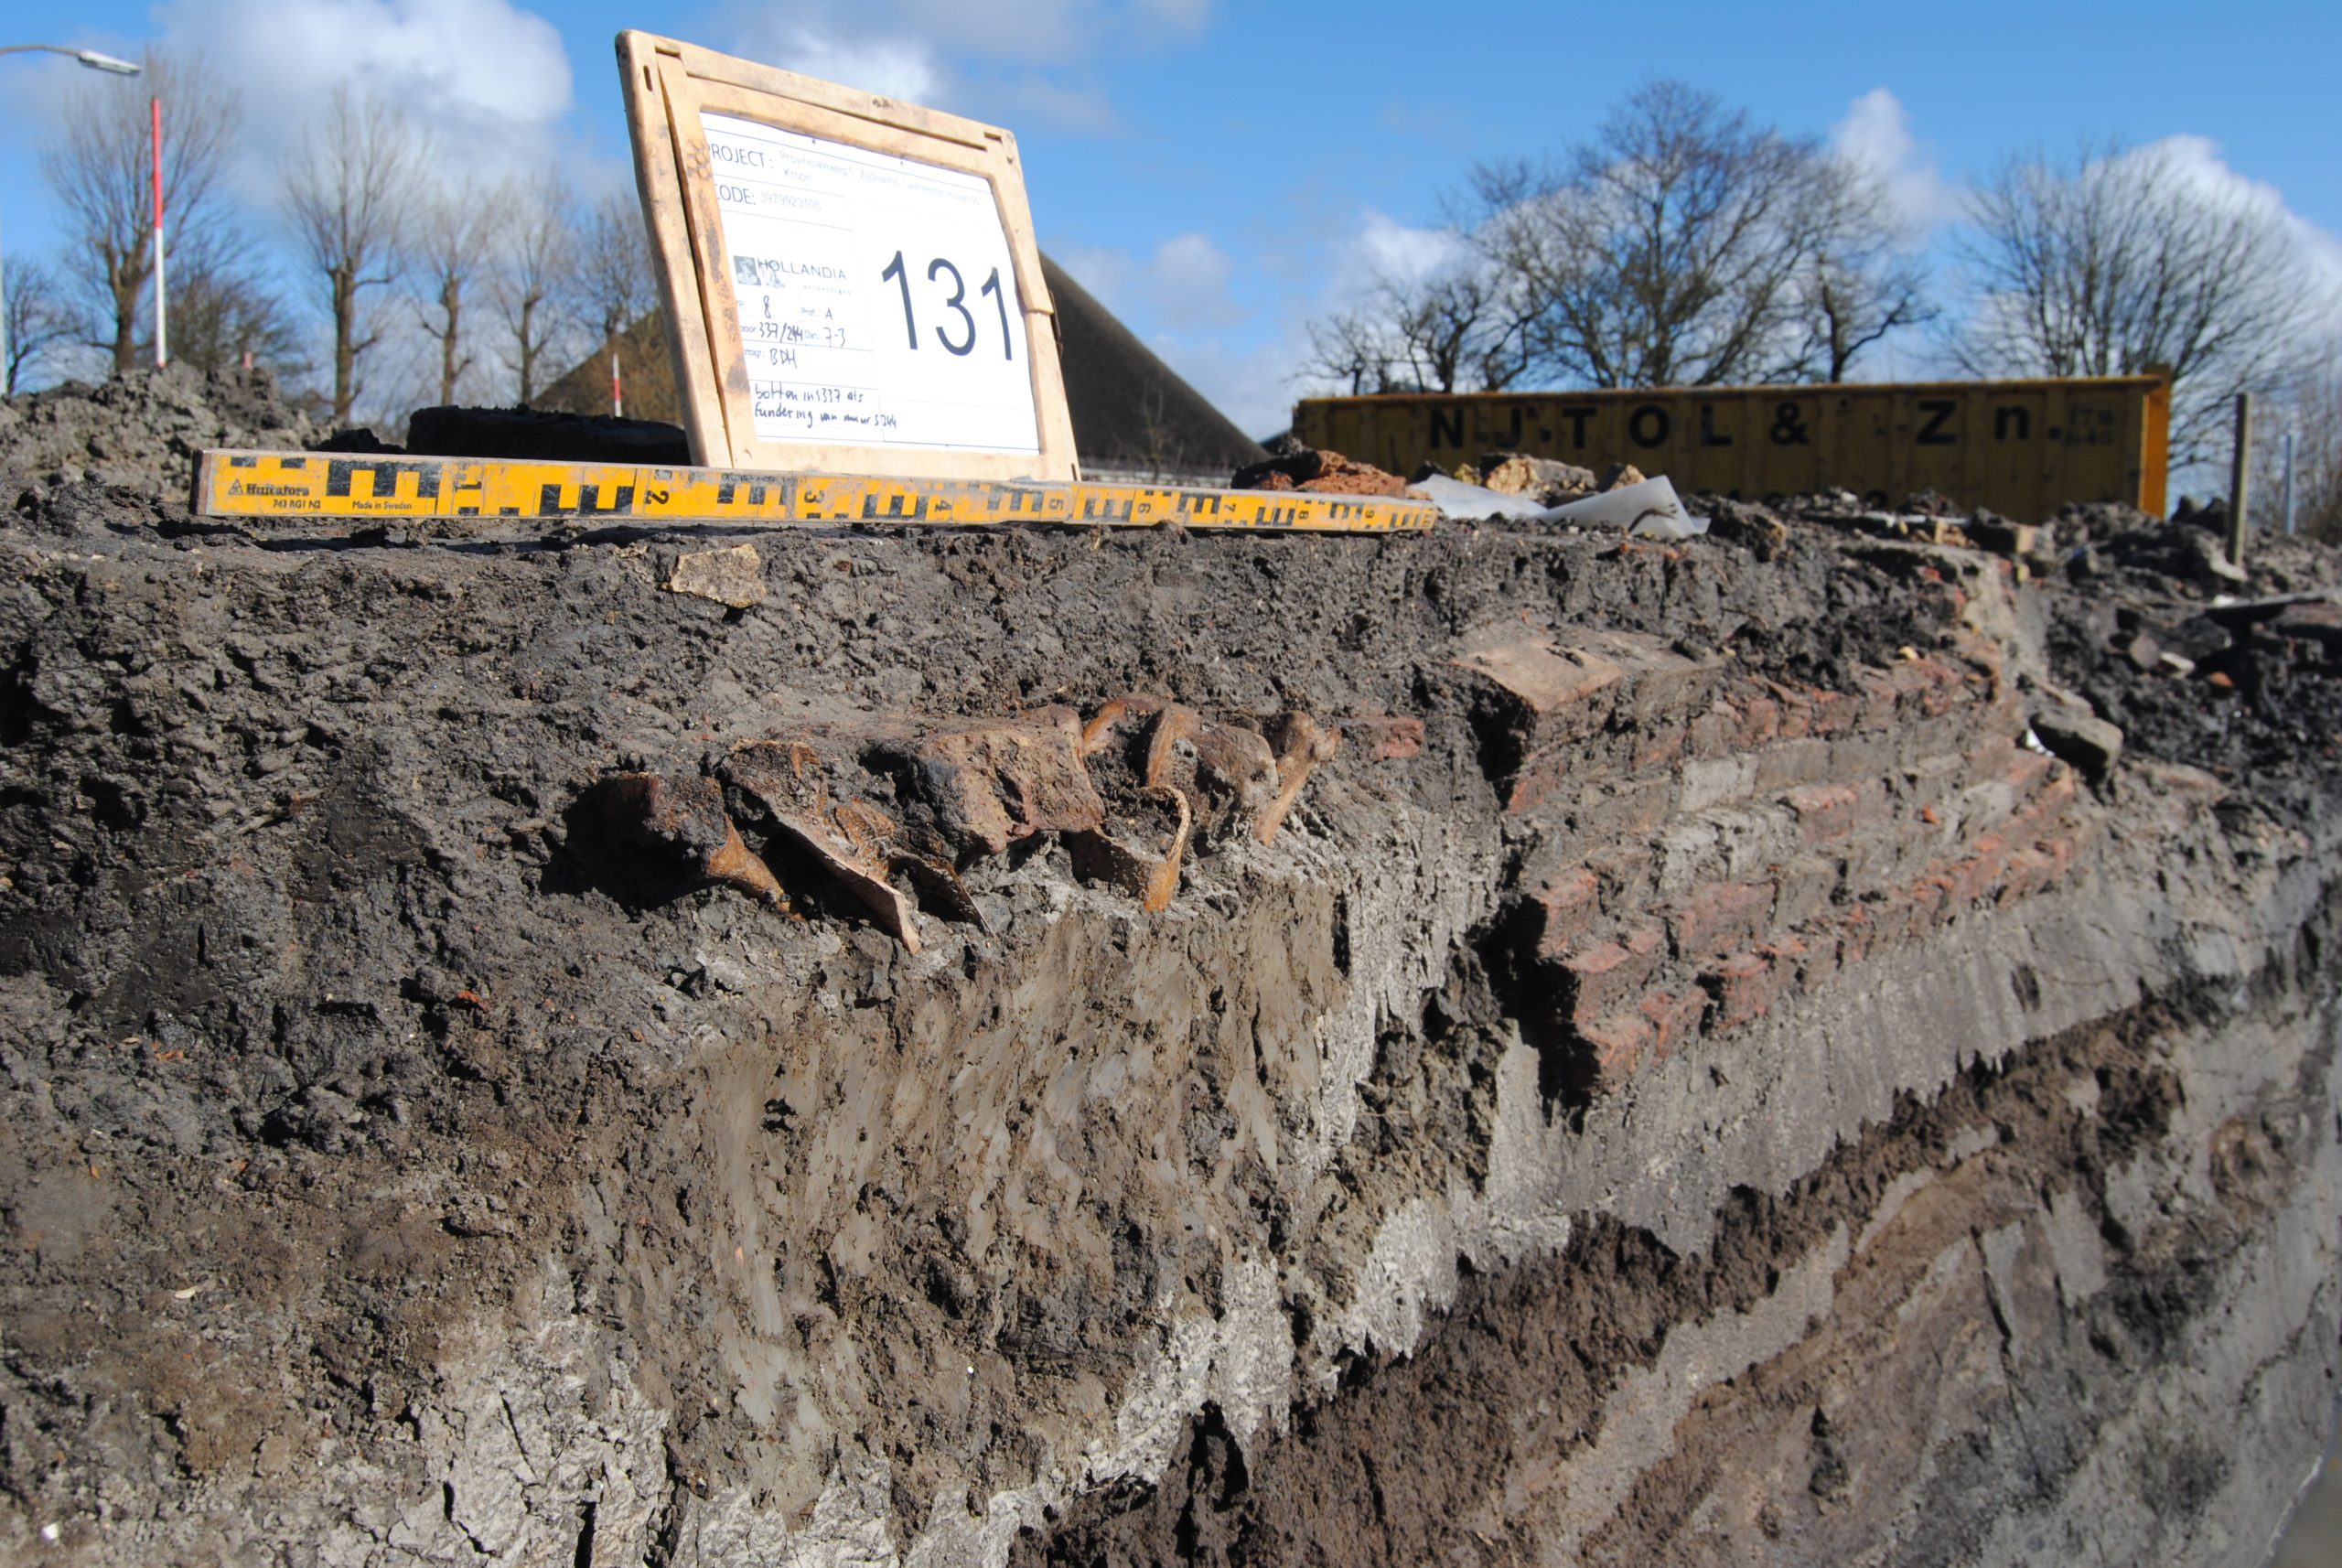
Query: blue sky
(1220,173)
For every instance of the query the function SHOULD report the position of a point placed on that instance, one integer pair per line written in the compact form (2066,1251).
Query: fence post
(2239,478)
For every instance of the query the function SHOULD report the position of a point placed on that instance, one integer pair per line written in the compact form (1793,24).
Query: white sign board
(878,301)
(852,282)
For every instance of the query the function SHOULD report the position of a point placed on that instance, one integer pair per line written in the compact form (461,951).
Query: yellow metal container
(2023,449)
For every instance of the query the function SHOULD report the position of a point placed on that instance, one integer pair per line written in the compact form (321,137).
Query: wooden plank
(670,86)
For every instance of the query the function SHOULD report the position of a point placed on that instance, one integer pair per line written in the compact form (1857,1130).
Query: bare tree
(223,317)
(1674,249)
(350,194)
(1860,280)
(539,244)
(2309,407)
(614,282)
(454,248)
(98,158)
(40,320)
(2108,264)
(1458,328)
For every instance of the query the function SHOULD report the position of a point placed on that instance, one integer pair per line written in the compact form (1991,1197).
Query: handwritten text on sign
(877,304)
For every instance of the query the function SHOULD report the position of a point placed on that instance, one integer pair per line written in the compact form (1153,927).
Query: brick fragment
(1385,739)
(1562,906)
(1618,1045)
(1760,721)
(1604,979)
(1744,987)
(1825,812)
(1719,918)
(1656,748)
(1674,1016)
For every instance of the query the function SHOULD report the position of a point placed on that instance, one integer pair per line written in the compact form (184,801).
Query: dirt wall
(1689,1077)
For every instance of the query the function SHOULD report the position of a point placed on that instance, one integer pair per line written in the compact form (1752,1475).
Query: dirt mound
(141,431)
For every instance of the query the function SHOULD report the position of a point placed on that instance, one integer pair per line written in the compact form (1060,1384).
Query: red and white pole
(618,387)
(162,340)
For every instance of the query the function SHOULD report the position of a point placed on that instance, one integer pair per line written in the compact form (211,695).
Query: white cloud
(1189,278)
(1184,286)
(1251,384)
(989,58)
(1187,19)
(489,78)
(1876,136)
(2198,161)
(1231,332)
(903,69)
(1385,250)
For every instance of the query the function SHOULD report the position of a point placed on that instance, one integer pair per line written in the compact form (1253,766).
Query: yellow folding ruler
(478,494)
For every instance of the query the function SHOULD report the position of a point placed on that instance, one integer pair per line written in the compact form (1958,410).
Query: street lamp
(95,61)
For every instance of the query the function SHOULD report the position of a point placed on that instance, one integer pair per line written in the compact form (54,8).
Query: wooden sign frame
(668,86)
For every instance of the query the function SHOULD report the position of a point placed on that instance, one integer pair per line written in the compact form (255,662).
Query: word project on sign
(878,301)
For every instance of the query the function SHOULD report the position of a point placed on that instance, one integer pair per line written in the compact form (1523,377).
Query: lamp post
(95,61)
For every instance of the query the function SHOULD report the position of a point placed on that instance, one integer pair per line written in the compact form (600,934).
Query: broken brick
(1719,917)
(1744,987)
(1385,739)
(1825,812)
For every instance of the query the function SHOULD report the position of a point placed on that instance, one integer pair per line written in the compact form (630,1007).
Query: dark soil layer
(1680,1019)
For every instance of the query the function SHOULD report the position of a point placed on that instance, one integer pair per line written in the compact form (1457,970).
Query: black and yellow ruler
(464,495)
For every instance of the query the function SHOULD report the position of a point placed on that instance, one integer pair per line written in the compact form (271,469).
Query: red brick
(1719,918)
(1744,987)
(1566,903)
(2029,871)
(1797,710)
(1760,721)
(1385,739)
(1834,712)
(1603,980)
(2028,772)
(1825,812)
(1674,1016)
(1619,1044)
(1658,748)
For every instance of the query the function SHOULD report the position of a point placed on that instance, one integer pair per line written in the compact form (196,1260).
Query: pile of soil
(140,432)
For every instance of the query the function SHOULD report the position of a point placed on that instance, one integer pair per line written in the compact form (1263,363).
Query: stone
(2087,742)
(734,577)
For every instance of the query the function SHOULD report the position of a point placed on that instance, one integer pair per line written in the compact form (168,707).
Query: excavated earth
(724,1048)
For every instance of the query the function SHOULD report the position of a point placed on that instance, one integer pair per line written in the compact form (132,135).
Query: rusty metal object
(685,816)
(1132,748)
(849,838)
(1300,745)
(1225,770)
(1116,852)
(991,784)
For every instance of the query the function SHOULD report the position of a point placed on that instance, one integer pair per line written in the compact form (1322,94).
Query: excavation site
(608,1044)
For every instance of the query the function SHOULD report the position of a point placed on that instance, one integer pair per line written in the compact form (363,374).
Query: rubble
(1323,473)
